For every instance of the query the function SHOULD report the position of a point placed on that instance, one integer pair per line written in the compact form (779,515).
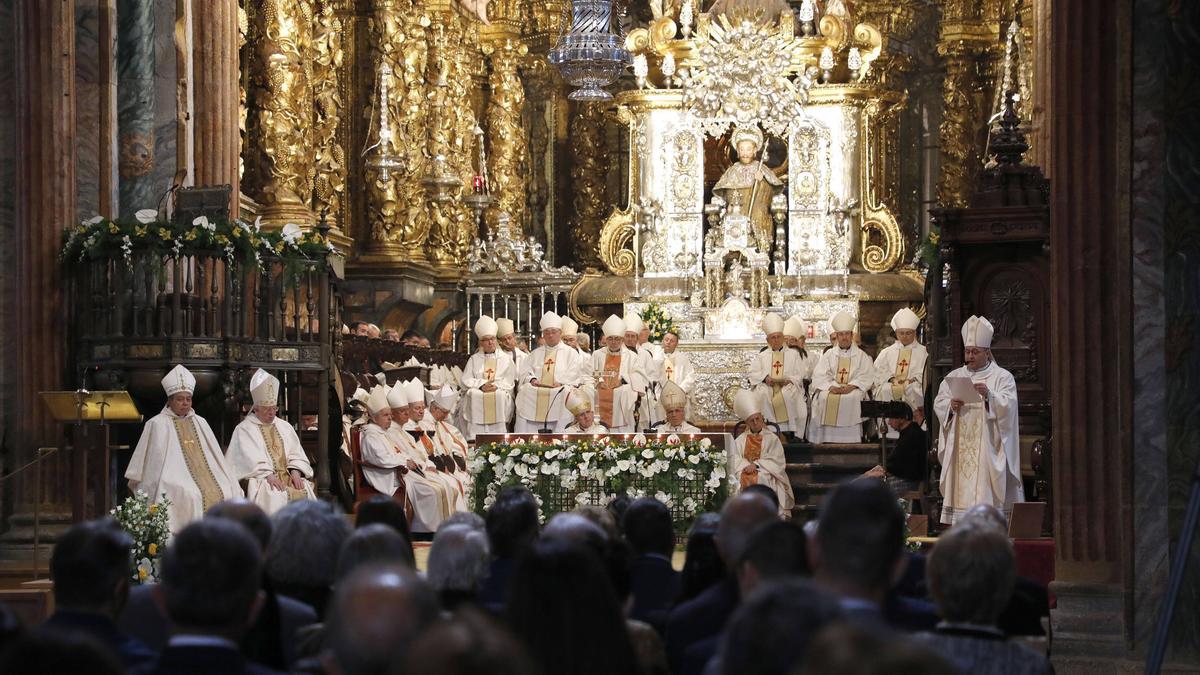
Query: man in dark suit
(654,583)
(694,627)
(90,568)
(211,589)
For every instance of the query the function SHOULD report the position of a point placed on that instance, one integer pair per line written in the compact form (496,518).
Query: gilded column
(280,168)
(216,73)
(588,178)
(506,134)
(329,105)
(970,39)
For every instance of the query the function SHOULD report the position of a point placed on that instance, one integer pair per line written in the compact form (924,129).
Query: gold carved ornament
(587,179)
(509,150)
(328,104)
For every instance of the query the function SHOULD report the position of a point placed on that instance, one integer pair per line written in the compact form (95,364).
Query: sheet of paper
(963,389)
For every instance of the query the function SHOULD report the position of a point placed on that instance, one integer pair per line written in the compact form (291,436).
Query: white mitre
(613,326)
(361,395)
(843,321)
(264,388)
(445,398)
(414,391)
(569,327)
(977,332)
(795,327)
(179,380)
(772,323)
(905,319)
(397,397)
(485,327)
(504,327)
(745,404)
(673,396)
(633,323)
(578,402)
(550,320)
(377,402)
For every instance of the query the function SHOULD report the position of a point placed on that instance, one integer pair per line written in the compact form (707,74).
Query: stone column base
(1089,623)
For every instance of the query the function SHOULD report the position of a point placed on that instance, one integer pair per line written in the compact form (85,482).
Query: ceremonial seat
(363,490)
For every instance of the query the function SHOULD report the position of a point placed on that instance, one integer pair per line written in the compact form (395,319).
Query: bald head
(741,516)
(377,611)
(986,514)
(248,514)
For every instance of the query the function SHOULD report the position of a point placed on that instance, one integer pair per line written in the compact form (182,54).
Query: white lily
(146,216)
(291,233)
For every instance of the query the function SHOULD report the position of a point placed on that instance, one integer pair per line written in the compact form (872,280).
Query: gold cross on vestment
(903,363)
(842,375)
(776,367)
(489,373)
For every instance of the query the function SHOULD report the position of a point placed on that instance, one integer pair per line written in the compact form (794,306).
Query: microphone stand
(546,422)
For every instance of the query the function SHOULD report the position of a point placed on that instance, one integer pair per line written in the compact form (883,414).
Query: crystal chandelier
(592,54)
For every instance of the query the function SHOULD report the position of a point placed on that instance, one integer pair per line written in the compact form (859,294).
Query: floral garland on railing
(101,238)
(686,475)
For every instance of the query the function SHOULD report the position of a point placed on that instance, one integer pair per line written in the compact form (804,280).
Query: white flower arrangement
(149,526)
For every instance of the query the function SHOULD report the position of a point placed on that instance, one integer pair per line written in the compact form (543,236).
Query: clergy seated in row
(584,422)
(841,380)
(420,427)
(507,338)
(431,491)
(795,334)
(978,449)
(675,366)
(904,467)
(757,454)
(900,367)
(549,372)
(674,404)
(390,469)
(570,336)
(488,382)
(615,379)
(178,457)
(648,354)
(266,452)
(778,380)
(448,441)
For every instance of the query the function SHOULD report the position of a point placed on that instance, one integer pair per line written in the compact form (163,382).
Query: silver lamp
(592,54)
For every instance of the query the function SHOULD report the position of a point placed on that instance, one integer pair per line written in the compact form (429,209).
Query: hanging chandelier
(592,54)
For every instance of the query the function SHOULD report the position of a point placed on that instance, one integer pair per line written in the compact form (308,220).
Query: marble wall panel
(87,109)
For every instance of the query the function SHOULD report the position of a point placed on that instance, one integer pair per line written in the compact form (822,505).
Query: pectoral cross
(842,375)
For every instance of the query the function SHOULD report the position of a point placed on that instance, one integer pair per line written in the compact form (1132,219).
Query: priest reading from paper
(266,452)
(431,493)
(900,367)
(976,406)
(841,379)
(585,420)
(549,372)
(778,381)
(178,456)
(674,404)
(757,454)
(615,379)
(488,383)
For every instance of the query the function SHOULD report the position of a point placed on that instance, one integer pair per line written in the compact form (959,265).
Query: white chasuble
(677,367)
(258,451)
(179,456)
(758,459)
(782,404)
(624,378)
(979,447)
(837,418)
(895,366)
(488,412)
(556,366)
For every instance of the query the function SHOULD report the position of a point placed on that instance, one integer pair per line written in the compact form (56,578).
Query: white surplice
(980,449)
(251,460)
(783,405)
(898,361)
(629,378)
(482,413)
(838,418)
(771,466)
(193,482)
(676,367)
(539,407)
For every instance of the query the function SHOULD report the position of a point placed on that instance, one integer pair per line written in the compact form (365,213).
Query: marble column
(1092,377)
(215,72)
(135,105)
(45,191)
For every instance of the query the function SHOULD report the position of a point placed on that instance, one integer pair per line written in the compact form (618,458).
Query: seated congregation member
(549,373)
(375,543)
(616,377)
(702,564)
(841,381)
(971,575)
(694,627)
(431,492)
(211,588)
(488,382)
(757,455)
(900,367)
(458,564)
(674,403)
(512,526)
(376,615)
(1030,602)
(778,382)
(584,422)
(449,442)
(178,455)
(301,557)
(654,583)
(266,453)
(90,569)
(771,631)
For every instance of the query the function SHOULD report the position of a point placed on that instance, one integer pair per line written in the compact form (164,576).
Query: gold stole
(490,408)
(443,489)
(902,363)
(449,434)
(669,366)
(544,394)
(752,452)
(777,402)
(278,457)
(197,463)
(833,402)
(612,378)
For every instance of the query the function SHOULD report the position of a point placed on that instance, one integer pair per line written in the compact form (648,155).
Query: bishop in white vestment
(584,421)
(979,446)
(778,382)
(507,338)
(488,382)
(614,378)
(841,381)
(900,367)
(674,404)
(449,442)
(675,366)
(266,452)
(179,457)
(757,455)
(648,354)
(550,372)
(431,493)
(795,334)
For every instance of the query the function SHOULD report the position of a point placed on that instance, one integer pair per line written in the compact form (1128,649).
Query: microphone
(546,422)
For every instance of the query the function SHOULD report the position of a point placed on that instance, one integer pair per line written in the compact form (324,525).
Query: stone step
(811,493)
(832,453)
(801,474)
